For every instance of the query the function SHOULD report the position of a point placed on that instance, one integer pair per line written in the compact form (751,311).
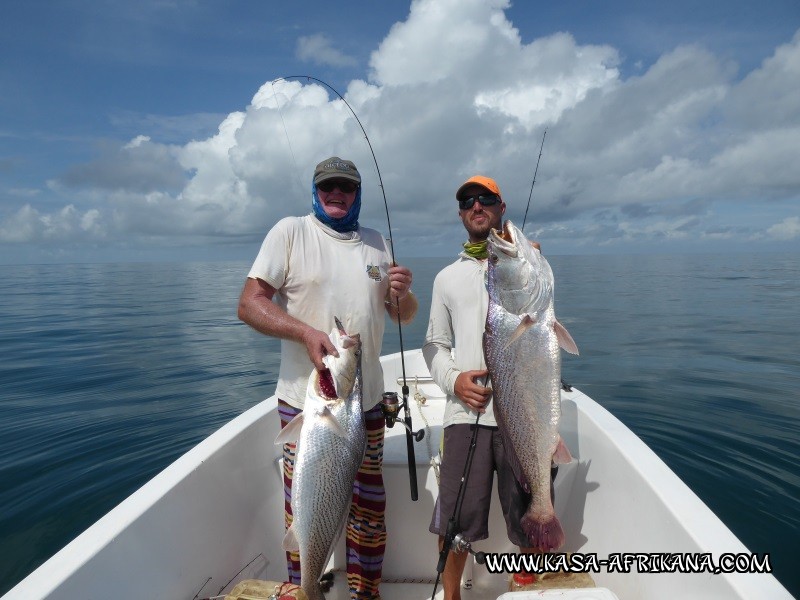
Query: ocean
(109,372)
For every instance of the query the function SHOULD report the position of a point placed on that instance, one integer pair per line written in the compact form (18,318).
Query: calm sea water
(110,372)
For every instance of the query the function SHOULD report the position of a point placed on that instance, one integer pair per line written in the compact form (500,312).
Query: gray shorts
(489,457)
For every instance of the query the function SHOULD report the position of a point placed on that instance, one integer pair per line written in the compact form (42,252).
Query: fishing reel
(460,544)
(390,407)
(456,543)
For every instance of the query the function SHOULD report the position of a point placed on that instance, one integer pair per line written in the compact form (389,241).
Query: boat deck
(489,589)
(421,591)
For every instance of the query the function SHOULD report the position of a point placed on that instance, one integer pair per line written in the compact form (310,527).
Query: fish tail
(544,533)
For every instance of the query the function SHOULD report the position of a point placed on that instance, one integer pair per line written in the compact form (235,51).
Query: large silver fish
(331,438)
(521,346)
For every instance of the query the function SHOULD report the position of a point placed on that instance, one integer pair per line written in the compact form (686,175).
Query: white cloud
(788,229)
(443,37)
(318,49)
(22,226)
(140,165)
(29,225)
(136,142)
(453,90)
(766,98)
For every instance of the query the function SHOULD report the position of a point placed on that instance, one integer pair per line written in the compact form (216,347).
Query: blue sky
(152,131)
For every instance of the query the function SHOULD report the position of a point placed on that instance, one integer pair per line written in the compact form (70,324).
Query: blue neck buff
(349,222)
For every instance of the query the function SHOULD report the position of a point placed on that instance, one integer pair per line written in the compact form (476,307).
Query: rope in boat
(421,399)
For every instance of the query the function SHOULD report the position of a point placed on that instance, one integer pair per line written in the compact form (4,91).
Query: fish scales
(330,449)
(522,342)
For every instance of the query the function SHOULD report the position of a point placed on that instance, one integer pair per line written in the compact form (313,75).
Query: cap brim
(327,176)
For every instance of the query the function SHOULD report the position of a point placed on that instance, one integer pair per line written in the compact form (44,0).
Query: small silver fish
(331,439)
(521,345)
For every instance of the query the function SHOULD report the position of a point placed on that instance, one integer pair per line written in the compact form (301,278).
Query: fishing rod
(533,183)
(454,541)
(410,435)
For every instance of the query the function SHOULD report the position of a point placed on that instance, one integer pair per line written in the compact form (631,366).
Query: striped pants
(366,529)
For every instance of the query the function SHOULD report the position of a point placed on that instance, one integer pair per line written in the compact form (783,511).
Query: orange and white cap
(485,182)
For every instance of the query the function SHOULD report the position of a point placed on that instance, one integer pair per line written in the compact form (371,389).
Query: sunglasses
(346,187)
(485,200)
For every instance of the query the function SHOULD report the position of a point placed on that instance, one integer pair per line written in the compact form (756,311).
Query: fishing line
(533,183)
(255,558)
(286,132)
(366,137)
(409,436)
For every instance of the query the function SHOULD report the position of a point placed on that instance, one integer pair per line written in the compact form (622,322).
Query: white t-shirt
(317,276)
(454,342)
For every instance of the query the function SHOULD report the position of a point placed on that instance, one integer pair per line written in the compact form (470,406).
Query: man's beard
(480,231)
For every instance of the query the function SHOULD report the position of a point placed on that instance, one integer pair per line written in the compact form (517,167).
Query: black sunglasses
(485,200)
(347,187)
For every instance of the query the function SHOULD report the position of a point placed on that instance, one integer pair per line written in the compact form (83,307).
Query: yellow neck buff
(477,250)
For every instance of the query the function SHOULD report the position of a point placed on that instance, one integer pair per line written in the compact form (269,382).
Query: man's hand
(318,345)
(399,282)
(472,393)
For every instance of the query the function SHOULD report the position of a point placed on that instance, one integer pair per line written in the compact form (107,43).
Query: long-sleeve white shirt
(454,341)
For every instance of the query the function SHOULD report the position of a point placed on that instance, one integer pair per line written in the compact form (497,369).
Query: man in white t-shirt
(309,270)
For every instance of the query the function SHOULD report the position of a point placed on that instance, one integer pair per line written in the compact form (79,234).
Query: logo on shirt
(374,272)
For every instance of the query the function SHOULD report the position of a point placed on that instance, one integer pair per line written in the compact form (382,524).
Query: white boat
(215,517)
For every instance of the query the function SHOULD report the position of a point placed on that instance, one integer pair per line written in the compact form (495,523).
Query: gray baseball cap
(336,168)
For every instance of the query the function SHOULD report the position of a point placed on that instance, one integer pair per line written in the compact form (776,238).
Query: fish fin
(290,433)
(562,455)
(525,323)
(564,338)
(331,422)
(290,542)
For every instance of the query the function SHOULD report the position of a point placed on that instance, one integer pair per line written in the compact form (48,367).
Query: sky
(177,129)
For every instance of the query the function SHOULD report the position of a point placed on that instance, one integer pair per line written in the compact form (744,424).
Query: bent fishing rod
(410,435)
(533,183)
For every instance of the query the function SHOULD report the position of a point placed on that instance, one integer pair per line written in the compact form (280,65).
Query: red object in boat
(521,579)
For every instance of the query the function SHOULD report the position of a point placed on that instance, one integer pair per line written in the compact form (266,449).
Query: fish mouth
(508,233)
(325,385)
(504,239)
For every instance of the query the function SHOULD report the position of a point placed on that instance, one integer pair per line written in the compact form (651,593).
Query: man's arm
(437,351)
(257,309)
(439,342)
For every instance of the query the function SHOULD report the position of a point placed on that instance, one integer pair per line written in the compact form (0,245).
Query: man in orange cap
(458,315)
